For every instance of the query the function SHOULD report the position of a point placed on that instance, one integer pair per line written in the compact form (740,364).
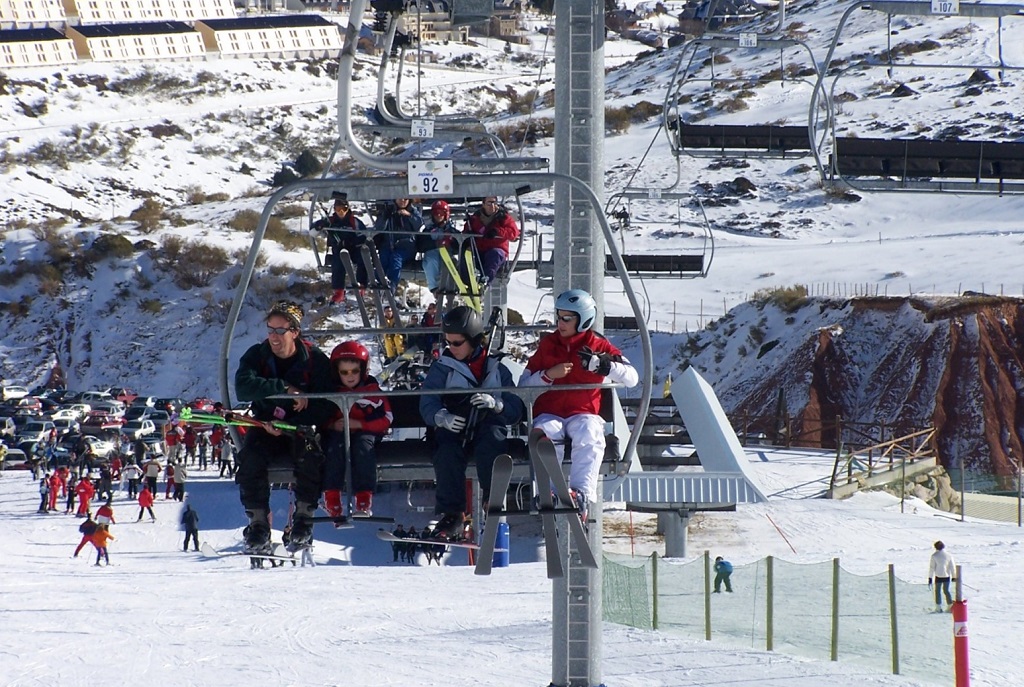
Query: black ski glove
(601,363)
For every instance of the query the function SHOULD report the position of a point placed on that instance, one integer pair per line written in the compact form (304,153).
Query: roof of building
(142,28)
(264,22)
(25,35)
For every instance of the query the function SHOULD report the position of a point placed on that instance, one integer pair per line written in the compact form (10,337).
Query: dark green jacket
(257,378)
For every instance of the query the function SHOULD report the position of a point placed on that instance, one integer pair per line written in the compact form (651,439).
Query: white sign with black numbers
(422,128)
(945,6)
(431,178)
(748,40)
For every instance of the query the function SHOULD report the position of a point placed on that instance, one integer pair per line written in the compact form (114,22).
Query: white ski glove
(487,402)
(446,419)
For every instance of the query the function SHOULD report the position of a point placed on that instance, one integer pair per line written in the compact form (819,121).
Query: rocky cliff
(900,363)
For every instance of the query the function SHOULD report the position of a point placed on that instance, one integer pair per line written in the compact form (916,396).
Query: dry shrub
(191,263)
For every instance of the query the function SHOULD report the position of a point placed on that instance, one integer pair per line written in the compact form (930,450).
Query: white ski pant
(586,434)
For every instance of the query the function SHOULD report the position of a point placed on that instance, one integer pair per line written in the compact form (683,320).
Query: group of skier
(400,233)
(469,415)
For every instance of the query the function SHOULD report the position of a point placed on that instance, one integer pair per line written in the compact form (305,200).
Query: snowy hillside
(167,155)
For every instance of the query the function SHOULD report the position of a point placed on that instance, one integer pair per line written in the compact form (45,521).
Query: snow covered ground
(158,615)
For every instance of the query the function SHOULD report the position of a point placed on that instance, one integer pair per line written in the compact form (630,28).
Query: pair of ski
(410,354)
(207,551)
(469,288)
(549,475)
(377,283)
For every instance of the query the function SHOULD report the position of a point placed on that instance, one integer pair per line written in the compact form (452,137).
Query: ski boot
(257,533)
(364,503)
(302,527)
(332,504)
(450,527)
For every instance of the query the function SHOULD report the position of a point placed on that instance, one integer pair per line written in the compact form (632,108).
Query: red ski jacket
(373,412)
(496,234)
(553,349)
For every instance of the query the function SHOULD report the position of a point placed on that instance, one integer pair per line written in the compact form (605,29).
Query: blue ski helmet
(581,303)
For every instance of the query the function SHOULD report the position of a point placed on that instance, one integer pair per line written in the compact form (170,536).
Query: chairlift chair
(649,209)
(910,162)
(735,140)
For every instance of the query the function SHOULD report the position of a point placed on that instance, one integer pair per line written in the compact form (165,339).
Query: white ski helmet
(581,303)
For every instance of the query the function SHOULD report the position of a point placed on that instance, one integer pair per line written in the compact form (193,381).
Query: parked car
(145,401)
(7,427)
(34,431)
(115,408)
(28,402)
(100,423)
(136,429)
(123,394)
(82,409)
(154,445)
(170,404)
(202,404)
(26,415)
(160,419)
(16,460)
(100,447)
(64,414)
(8,393)
(66,426)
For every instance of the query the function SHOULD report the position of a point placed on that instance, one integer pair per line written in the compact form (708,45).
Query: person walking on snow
(474,423)
(55,488)
(190,521)
(88,529)
(99,540)
(105,514)
(85,492)
(69,505)
(575,354)
(180,478)
(723,573)
(941,570)
(132,473)
(146,503)
(152,469)
(169,477)
(44,492)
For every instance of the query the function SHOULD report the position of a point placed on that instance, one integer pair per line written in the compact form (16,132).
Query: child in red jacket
(369,418)
(146,503)
(574,354)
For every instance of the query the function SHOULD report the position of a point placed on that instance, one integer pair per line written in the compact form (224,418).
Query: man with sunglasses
(471,424)
(283,364)
(575,354)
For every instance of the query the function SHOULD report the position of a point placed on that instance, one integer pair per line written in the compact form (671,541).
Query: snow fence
(813,610)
